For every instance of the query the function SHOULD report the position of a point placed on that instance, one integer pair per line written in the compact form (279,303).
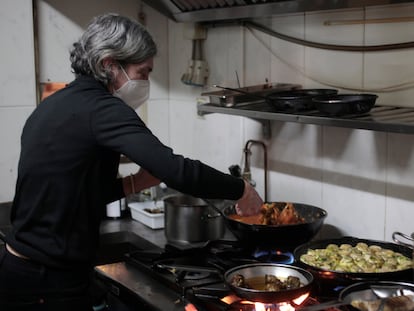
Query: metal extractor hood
(232,10)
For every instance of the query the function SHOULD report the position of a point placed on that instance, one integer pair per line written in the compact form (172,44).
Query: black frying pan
(347,278)
(297,100)
(343,104)
(288,101)
(259,270)
(284,236)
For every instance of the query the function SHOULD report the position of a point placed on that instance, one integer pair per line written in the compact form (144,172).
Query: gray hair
(110,35)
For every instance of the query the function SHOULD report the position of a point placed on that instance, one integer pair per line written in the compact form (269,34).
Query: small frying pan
(259,270)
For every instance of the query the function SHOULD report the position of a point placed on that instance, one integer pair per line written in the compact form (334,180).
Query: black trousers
(29,286)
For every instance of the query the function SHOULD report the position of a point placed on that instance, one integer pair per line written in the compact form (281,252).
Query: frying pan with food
(283,236)
(346,278)
(256,273)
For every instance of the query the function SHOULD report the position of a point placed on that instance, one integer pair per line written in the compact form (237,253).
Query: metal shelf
(380,118)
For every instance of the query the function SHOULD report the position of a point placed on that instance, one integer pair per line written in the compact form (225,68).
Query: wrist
(132,183)
(245,191)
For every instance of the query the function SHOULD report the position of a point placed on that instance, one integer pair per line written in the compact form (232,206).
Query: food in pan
(272,214)
(361,258)
(266,283)
(398,303)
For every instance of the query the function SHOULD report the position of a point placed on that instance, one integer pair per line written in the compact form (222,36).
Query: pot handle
(209,202)
(396,236)
(209,216)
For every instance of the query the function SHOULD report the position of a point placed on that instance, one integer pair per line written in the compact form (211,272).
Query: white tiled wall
(362,178)
(17,87)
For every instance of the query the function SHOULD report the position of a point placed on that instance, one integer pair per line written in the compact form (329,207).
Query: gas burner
(274,256)
(192,275)
(237,304)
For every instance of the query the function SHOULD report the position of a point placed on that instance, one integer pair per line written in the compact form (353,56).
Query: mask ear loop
(123,70)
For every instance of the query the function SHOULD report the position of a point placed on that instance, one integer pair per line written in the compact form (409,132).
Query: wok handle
(240,91)
(397,235)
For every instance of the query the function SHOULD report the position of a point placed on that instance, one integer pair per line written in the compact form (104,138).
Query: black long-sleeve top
(67,172)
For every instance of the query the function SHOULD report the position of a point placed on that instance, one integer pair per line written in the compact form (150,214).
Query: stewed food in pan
(361,258)
(267,282)
(275,213)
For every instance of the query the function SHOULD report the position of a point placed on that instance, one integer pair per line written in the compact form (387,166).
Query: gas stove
(192,276)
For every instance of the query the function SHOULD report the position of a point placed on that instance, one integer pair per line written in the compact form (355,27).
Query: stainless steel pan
(262,269)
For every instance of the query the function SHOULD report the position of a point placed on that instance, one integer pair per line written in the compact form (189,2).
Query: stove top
(196,273)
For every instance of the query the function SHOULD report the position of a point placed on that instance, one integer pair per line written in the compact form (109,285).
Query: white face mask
(134,92)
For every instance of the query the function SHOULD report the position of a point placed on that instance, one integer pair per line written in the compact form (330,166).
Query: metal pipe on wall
(247,154)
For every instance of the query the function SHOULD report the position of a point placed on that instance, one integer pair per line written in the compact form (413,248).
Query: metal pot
(191,220)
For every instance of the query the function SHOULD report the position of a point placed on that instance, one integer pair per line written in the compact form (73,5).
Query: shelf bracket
(266,128)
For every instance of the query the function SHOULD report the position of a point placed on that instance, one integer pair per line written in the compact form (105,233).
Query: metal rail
(380,118)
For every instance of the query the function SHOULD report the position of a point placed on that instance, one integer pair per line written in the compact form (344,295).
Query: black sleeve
(118,127)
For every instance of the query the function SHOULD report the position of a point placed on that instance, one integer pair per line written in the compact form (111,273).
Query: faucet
(246,171)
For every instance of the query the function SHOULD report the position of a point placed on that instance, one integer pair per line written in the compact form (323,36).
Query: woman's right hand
(144,180)
(250,203)
(139,181)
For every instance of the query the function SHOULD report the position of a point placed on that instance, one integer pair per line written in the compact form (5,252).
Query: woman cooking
(67,172)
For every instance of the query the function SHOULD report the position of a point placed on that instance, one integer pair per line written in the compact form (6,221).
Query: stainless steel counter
(135,288)
(155,236)
(132,287)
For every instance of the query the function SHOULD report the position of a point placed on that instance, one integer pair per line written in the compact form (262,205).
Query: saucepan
(292,100)
(191,220)
(283,236)
(256,274)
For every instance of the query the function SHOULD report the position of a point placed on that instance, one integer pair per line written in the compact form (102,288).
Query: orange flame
(259,306)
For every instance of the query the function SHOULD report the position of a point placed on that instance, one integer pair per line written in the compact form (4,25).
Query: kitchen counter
(154,236)
(129,287)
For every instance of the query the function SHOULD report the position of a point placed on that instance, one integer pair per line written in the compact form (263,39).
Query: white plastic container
(150,213)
